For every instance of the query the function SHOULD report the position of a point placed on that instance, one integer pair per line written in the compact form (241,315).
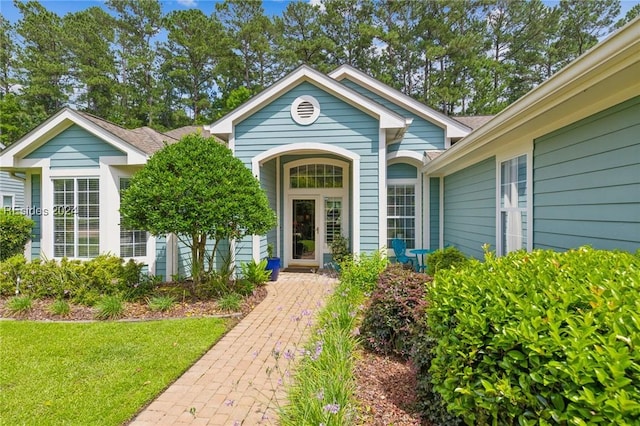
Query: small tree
(15,231)
(197,190)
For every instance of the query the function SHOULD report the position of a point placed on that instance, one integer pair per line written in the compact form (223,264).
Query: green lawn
(94,373)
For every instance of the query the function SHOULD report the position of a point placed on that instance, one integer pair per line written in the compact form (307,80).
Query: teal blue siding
(161,257)
(75,148)
(36,204)
(434,213)
(269,184)
(339,124)
(422,134)
(14,187)
(470,208)
(587,182)
(402,171)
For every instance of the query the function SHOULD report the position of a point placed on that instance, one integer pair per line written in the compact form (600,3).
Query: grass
(94,373)
(19,304)
(161,303)
(230,302)
(110,307)
(60,307)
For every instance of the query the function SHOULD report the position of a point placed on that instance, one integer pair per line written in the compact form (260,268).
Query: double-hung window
(401,214)
(133,243)
(513,204)
(76,217)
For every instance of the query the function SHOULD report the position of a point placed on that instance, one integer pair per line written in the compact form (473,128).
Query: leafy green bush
(109,307)
(395,307)
(363,271)
(539,338)
(10,271)
(15,232)
(445,258)
(256,272)
(340,249)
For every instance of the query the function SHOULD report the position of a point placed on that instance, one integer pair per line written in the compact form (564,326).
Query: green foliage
(185,189)
(256,273)
(109,307)
(15,232)
(230,302)
(340,249)
(363,271)
(60,307)
(161,303)
(539,338)
(19,304)
(396,305)
(445,258)
(83,282)
(244,287)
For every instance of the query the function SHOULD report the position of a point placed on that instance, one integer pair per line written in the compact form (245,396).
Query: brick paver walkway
(241,380)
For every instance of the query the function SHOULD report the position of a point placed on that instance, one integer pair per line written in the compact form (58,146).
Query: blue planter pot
(273,265)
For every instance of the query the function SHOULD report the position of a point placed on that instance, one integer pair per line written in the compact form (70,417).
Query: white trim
(417,185)
(56,124)
(387,118)
(231,143)
(426,218)
(382,190)
(501,158)
(406,154)
(441,213)
(319,194)
(255,239)
(355,212)
(13,199)
(27,205)
(288,220)
(278,209)
(453,128)
(302,148)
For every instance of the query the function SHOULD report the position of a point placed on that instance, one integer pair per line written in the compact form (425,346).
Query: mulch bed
(135,310)
(385,387)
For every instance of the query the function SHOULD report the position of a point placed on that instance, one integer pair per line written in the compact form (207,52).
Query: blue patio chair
(399,248)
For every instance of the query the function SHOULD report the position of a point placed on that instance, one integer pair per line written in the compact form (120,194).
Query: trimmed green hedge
(539,338)
(15,231)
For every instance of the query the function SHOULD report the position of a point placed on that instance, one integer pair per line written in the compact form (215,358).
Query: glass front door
(304,230)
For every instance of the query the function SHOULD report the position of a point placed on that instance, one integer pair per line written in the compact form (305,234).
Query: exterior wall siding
(75,148)
(14,187)
(161,257)
(422,134)
(339,124)
(402,171)
(434,213)
(470,208)
(269,184)
(587,182)
(36,204)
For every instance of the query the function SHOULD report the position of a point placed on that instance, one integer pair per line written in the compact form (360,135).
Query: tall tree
(191,56)
(252,39)
(89,36)
(302,40)
(632,14)
(43,59)
(8,50)
(138,22)
(349,26)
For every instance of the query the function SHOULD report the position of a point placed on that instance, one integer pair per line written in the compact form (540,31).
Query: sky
(61,7)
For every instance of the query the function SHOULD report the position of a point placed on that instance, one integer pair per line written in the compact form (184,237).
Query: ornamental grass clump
(539,338)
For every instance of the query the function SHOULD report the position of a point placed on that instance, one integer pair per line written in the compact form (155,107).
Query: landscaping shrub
(362,271)
(539,338)
(60,307)
(230,302)
(161,303)
(395,307)
(109,307)
(445,258)
(256,272)
(19,304)
(15,232)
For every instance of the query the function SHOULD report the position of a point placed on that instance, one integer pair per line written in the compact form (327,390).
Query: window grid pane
(513,203)
(333,218)
(315,176)
(76,222)
(133,243)
(401,210)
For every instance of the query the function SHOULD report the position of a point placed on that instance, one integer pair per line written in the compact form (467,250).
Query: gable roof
(394,124)
(474,121)
(604,76)
(185,130)
(138,143)
(454,129)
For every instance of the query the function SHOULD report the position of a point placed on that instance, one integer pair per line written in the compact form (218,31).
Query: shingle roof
(182,131)
(474,121)
(143,138)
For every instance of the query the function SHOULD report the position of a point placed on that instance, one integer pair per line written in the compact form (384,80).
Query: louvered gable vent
(305,110)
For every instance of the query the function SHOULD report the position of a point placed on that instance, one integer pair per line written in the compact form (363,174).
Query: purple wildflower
(289,355)
(332,408)
(229,402)
(320,394)
(306,313)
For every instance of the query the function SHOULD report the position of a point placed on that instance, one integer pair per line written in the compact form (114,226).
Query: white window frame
(132,231)
(527,209)
(13,201)
(417,208)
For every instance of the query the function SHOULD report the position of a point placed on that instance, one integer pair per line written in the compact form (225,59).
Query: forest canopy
(135,66)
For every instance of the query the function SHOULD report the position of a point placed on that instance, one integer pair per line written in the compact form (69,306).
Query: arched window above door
(316,176)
